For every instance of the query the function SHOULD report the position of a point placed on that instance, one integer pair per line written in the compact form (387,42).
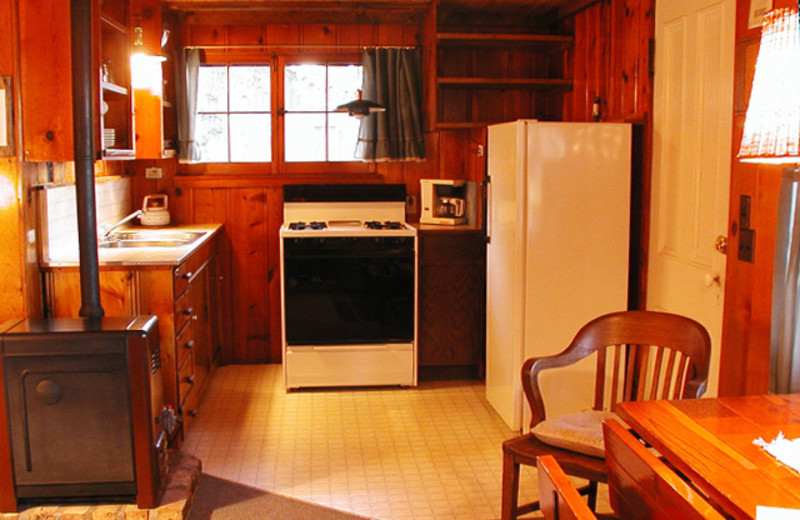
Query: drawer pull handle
(189,379)
(192,412)
(187,275)
(187,311)
(189,345)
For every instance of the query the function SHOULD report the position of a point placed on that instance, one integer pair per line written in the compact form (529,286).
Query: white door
(693,95)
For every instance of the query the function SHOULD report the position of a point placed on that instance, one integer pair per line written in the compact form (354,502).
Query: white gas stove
(348,287)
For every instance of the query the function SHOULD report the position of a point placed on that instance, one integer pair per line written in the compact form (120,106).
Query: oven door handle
(350,348)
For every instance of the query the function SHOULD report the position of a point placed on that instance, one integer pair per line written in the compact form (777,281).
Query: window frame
(278,165)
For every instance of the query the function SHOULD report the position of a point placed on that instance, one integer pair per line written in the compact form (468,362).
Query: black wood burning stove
(84,404)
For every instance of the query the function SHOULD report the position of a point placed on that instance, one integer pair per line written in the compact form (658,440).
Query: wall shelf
(505,83)
(490,40)
(478,75)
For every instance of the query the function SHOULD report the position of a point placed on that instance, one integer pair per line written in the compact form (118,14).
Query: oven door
(348,290)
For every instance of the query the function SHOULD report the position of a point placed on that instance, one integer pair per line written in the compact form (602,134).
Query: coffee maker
(446,201)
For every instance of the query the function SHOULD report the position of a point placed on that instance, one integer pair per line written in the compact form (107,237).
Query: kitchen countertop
(143,256)
(445,228)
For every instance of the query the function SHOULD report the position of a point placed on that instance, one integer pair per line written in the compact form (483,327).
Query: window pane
(305,87)
(212,89)
(211,137)
(250,138)
(305,137)
(249,88)
(343,83)
(342,136)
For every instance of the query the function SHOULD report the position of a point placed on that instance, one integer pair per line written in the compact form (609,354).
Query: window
(236,104)
(234,121)
(313,130)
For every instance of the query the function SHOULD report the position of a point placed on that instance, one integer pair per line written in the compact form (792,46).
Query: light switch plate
(154,173)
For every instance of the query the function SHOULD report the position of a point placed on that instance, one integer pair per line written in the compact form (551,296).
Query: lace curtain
(393,78)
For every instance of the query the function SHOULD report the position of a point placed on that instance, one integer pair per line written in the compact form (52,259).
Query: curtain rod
(299,46)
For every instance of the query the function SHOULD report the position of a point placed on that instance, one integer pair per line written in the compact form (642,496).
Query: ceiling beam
(229,13)
(570,7)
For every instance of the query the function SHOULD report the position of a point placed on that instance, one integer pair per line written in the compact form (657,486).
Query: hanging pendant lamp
(359,108)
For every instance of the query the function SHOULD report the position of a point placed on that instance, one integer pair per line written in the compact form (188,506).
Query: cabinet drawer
(184,273)
(181,276)
(185,379)
(467,247)
(184,343)
(183,310)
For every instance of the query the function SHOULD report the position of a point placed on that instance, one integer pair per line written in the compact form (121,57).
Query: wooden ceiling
(541,10)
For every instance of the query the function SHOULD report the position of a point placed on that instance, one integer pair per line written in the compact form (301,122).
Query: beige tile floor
(427,453)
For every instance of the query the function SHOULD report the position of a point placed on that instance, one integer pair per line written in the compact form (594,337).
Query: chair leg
(510,488)
(591,495)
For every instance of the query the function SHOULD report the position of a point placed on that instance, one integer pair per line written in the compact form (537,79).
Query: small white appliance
(558,226)
(447,201)
(154,210)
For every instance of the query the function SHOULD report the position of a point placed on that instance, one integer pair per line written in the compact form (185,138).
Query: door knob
(711,279)
(721,244)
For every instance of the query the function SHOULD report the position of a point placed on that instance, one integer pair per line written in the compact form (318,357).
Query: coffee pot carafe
(450,207)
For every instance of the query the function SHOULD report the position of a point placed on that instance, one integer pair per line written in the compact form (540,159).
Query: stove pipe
(83,136)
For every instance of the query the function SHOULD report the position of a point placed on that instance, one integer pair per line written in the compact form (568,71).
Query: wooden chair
(642,487)
(560,499)
(640,355)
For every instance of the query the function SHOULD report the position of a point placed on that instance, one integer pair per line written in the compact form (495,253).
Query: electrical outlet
(747,245)
(154,173)
(411,204)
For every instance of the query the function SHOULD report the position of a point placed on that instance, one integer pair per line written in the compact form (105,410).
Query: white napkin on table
(776,513)
(783,449)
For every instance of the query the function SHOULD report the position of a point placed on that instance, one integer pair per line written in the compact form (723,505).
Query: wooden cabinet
(46,80)
(482,78)
(183,297)
(452,270)
(116,105)
(152,70)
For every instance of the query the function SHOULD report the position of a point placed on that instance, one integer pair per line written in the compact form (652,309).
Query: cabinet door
(451,299)
(46,80)
(117,294)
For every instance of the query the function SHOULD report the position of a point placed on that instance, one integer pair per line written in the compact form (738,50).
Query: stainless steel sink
(151,238)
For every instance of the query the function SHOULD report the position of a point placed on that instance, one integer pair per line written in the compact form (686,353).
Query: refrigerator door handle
(487,192)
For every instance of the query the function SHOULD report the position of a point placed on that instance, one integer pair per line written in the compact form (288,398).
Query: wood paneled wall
(611,60)
(12,252)
(251,206)
(744,366)
(611,39)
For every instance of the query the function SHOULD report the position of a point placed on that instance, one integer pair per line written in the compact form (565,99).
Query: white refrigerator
(558,226)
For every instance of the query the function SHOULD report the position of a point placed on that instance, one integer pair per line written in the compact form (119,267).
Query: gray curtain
(785,329)
(393,78)
(186,101)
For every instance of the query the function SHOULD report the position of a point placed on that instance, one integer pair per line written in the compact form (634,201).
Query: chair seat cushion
(581,432)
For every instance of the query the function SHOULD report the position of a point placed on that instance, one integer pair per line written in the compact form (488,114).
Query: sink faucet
(135,214)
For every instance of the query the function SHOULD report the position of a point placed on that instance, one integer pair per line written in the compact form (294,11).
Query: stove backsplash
(58,220)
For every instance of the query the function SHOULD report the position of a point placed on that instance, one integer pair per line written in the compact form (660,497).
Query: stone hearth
(183,477)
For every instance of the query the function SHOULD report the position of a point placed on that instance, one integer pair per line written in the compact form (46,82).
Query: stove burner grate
(389,224)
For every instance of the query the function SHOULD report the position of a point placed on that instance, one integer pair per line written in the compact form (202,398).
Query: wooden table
(711,442)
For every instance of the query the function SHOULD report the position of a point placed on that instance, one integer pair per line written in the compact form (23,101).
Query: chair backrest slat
(657,375)
(600,381)
(642,487)
(669,374)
